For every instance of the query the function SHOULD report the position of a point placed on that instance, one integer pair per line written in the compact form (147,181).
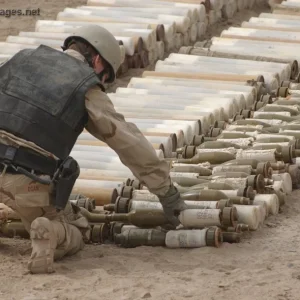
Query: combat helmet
(103,42)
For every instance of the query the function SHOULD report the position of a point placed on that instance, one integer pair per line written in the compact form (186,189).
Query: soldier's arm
(127,141)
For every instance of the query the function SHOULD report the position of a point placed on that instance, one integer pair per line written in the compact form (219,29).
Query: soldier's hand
(172,205)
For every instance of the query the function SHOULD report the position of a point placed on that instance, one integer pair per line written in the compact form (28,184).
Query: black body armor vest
(42,98)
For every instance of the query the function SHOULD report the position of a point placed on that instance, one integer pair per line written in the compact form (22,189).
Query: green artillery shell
(140,237)
(231,237)
(15,228)
(204,195)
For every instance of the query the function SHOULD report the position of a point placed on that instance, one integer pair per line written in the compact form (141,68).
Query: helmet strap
(101,87)
(101,74)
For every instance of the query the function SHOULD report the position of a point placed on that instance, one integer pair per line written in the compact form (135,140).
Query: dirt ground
(48,10)
(264,266)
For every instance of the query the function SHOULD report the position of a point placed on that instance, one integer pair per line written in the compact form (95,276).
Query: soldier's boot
(44,239)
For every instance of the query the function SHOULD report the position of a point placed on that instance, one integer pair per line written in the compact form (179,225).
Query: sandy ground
(48,10)
(264,266)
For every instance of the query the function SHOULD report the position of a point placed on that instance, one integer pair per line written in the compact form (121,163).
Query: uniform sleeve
(134,150)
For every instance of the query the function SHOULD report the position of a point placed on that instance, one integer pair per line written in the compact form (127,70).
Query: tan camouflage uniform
(32,200)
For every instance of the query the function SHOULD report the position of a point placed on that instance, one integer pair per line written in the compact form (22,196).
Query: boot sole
(41,260)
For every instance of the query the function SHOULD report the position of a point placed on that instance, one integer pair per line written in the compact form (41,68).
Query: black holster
(67,174)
